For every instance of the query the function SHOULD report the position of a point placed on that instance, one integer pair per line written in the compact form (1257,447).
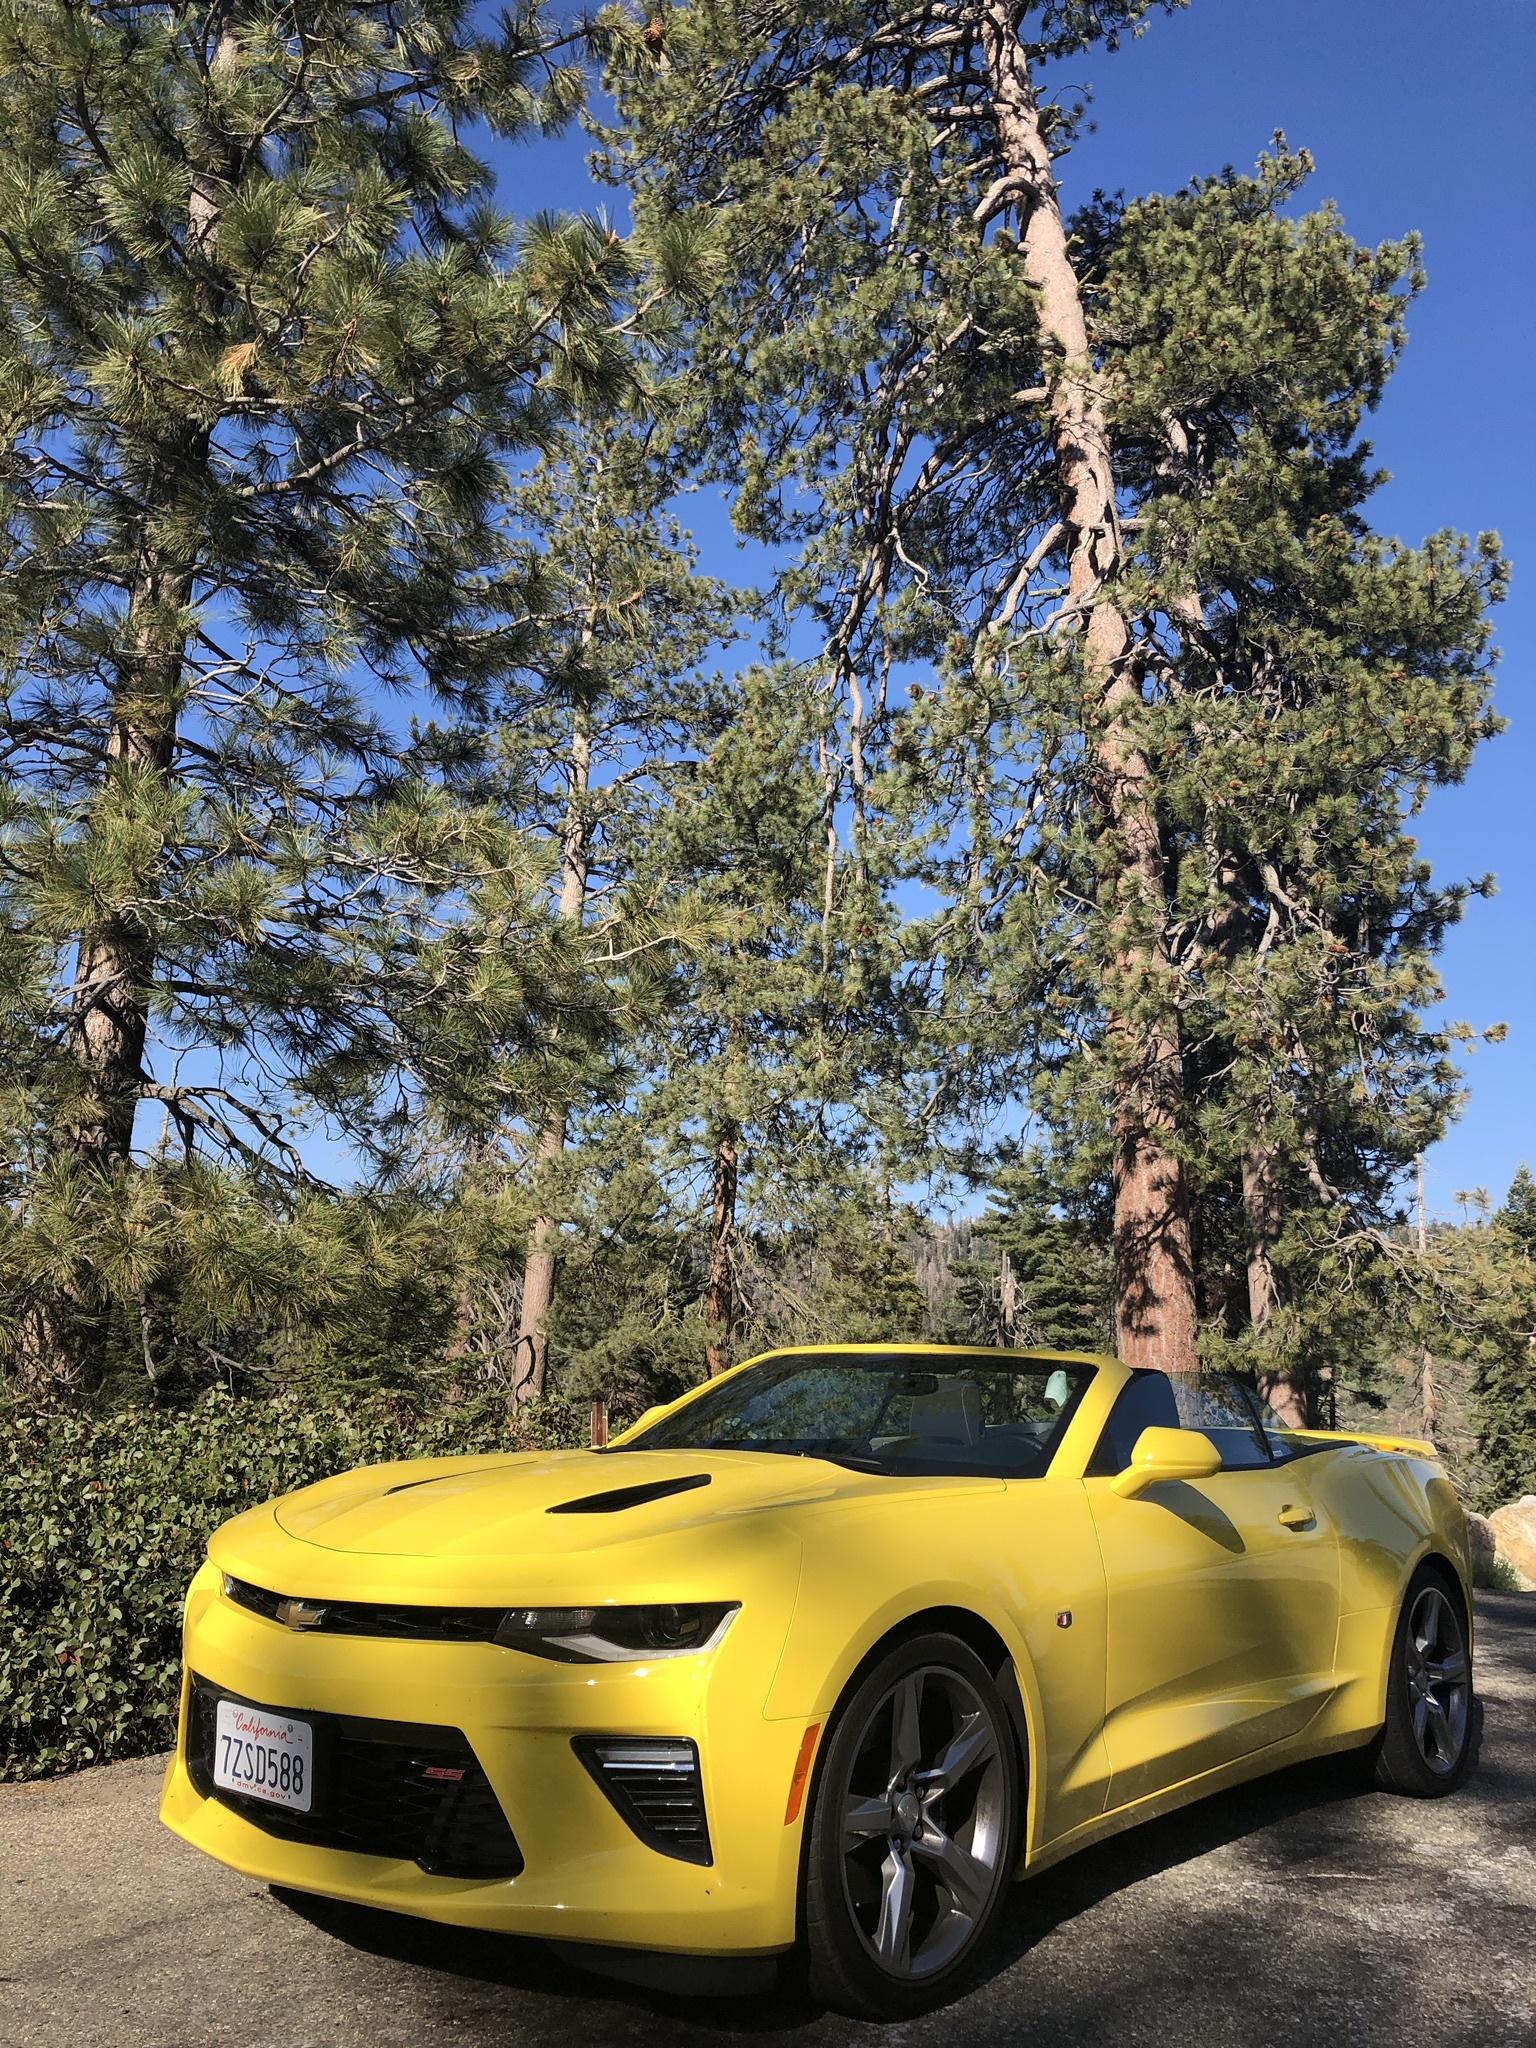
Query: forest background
(462,956)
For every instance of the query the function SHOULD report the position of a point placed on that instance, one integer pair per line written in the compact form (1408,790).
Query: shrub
(1495,1575)
(104,1520)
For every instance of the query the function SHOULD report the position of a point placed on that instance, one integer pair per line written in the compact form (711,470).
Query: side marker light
(801,1779)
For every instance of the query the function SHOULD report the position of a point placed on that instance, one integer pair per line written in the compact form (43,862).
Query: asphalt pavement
(1294,1911)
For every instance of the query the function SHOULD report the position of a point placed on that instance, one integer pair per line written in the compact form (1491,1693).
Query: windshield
(952,1412)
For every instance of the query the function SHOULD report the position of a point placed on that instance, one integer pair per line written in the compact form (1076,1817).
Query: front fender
(1023,1559)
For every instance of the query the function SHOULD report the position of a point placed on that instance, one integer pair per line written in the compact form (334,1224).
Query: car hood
(478,1525)
(556,1500)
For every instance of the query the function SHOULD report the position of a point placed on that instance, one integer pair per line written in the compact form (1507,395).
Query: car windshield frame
(930,1414)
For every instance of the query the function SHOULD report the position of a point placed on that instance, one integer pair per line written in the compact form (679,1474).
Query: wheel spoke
(864,1819)
(1439,1676)
(1431,1624)
(916,1894)
(968,1881)
(893,1933)
(906,1732)
(974,1745)
(1420,1719)
(1437,1728)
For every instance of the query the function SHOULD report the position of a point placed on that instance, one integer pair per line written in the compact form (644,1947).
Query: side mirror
(1166,1454)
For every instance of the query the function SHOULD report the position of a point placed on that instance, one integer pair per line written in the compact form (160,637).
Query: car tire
(913,1833)
(1425,1747)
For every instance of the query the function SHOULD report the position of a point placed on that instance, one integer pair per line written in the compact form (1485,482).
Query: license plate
(264,1756)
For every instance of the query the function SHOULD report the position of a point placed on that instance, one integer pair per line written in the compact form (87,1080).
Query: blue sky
(1420,116)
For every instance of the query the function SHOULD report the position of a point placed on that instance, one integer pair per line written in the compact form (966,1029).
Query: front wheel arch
(978,1634)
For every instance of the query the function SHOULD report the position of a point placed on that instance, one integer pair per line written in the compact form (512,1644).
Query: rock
(1484,1544)
(1514,1532)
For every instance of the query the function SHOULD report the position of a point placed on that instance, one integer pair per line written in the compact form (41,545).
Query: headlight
(612,1635)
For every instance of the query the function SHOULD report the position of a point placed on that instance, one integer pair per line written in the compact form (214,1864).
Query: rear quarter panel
(1393,1508)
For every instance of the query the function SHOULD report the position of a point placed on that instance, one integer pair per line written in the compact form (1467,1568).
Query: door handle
(1292,1517)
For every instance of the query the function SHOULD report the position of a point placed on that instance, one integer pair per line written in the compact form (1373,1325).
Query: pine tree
(1102,479)
(888,198)
(1500,1292)
(1308,684)
(1518,1216)
(1058,1274)
(840,1271)
(587,735)
(264,348)
(761,1083)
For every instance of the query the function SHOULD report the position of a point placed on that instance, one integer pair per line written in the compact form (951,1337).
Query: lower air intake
(656,1787)
(384,1788)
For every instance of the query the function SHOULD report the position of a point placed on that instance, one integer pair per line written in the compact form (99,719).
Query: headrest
(952,1412)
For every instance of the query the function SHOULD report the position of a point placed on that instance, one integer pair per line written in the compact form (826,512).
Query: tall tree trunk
(115,959)
(1285,1391)
(1429,1398)
(720,1302)
(1429,1401)
(1008,1298)
(531,1357)
(1156,1312)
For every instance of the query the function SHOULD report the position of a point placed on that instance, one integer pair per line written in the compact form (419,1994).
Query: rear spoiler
(1410,1446)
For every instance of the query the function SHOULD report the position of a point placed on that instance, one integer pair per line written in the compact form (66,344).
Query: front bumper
(585,1874)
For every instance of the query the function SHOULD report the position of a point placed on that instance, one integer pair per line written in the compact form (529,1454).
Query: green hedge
(103,1521)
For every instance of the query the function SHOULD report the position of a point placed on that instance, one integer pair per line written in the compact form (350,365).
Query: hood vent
(621,1497)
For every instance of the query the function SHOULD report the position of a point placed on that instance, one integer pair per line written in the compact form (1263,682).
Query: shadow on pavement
(1035,1910)
(534,1967)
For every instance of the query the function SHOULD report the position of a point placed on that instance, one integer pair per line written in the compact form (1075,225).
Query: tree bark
(531,1354)
(720,1302)
(1286,1392)
(1429,1398)
(531,1357)
(1156,1310)
(115,959)
(1008,1298)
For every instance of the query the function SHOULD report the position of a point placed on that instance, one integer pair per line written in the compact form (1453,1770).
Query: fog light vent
(656,1786)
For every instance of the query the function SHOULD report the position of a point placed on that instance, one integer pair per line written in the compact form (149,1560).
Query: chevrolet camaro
(815,1659)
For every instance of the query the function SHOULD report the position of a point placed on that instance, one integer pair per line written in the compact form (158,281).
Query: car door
(1222,1594)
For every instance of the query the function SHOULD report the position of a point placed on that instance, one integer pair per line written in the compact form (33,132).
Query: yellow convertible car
(817,1658)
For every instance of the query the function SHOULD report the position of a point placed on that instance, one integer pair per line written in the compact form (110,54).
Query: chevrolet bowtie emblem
(300,1613)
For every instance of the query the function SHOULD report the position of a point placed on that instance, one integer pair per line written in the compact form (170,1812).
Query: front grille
(656,1787)
(367,1618)
(383,1788)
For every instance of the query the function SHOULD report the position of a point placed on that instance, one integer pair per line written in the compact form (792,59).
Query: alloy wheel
(924,1821)
(1439,1680)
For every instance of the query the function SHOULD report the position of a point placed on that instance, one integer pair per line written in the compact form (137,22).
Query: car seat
(950,1415)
